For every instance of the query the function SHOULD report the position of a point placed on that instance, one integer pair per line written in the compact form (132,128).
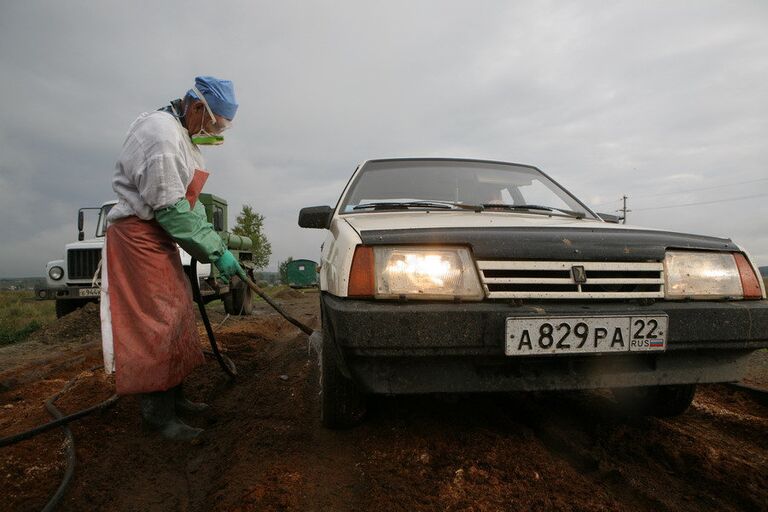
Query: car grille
(82,263)
(558,279)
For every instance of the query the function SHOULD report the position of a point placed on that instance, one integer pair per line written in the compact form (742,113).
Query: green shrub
(21,315)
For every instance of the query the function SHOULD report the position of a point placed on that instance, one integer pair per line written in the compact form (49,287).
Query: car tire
(239,300)
(342,404)
(65,307)
(660,401)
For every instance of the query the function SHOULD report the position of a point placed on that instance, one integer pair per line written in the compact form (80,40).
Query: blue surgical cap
(220,95)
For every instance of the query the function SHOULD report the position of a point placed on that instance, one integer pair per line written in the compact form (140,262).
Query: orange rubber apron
(155,341)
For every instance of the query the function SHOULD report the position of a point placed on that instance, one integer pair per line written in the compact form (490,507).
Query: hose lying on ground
(60,421)
(69,472)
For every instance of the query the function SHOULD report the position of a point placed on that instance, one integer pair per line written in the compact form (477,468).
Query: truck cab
(75,280)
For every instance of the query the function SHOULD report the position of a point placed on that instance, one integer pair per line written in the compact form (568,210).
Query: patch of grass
(21,315)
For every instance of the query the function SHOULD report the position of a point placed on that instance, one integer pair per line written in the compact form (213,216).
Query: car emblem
(579,274)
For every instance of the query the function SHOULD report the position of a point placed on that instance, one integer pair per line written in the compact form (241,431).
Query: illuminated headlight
(56,273)
(426,273)
(707,275)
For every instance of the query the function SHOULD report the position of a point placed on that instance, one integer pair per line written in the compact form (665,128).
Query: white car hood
(511,235)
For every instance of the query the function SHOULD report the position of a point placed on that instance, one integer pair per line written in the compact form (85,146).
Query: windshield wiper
(578,215)
(403,205)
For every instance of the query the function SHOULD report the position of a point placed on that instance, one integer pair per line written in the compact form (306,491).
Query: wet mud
(264,448)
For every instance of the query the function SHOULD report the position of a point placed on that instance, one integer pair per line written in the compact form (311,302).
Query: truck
(74,281)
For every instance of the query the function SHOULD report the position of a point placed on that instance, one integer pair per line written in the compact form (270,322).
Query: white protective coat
(144,185)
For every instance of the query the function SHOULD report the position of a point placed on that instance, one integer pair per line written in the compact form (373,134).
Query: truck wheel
(659,401)
(65,307)
(239,300)
(342,404)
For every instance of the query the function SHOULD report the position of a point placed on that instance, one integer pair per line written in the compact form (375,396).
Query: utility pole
(624,210)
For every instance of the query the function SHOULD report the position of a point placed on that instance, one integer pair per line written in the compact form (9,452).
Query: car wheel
(342,404)
(65,307)
(239,299)
(659,401)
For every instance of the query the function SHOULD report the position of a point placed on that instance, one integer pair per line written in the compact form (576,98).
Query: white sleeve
(157,161)
(159,181)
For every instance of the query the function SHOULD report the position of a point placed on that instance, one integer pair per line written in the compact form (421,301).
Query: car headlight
(414,273)
(709,275)
(56,273)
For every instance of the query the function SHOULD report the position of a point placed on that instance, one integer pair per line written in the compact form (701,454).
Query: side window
(218,218)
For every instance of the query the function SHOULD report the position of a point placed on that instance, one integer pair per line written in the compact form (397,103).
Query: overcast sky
(666,102)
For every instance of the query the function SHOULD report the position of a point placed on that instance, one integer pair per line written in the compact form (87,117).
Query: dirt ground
(265,450)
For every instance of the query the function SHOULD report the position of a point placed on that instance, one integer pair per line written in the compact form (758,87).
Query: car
(459,275)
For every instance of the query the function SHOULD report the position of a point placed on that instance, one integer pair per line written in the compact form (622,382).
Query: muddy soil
(265,450)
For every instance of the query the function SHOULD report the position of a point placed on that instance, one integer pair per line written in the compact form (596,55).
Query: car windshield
(427,184)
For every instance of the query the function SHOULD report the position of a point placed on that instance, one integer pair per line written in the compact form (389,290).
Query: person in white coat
(149,333)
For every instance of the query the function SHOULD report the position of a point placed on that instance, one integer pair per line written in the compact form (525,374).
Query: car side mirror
(80,223)
(607,217)
(317,217)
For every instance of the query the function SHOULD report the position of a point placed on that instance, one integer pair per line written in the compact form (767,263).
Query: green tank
(301,273)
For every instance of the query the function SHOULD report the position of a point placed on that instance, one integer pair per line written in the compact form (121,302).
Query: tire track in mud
(276,456)
(568,437)
(685,463)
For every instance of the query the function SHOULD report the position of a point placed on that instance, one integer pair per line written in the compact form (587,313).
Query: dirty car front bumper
(418,347)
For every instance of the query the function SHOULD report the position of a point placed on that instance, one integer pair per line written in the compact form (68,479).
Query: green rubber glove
(191,230)
(229,266)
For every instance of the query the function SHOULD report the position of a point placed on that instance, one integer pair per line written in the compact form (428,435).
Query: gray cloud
(626,97)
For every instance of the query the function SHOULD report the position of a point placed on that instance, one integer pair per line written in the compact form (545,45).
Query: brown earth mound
(75,327)
(288,293)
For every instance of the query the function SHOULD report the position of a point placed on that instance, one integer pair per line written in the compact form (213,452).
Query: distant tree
(250,223)
(282,269)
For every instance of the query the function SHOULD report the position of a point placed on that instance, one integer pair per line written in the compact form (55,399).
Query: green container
(302,273)
(237,242)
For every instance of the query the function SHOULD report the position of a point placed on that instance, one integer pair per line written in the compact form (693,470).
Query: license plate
(89,292)
(585,334)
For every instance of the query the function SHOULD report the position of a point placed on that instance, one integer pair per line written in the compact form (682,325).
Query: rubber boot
(159,412)
(186,406)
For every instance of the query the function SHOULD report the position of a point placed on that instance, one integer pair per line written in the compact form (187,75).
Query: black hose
(226,363)
(302,326)
(69,472)
(60,421)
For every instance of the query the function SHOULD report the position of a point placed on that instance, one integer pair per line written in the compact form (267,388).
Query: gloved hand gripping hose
(226,363)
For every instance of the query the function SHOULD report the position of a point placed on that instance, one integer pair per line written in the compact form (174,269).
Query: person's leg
(186,406)
(159,412)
